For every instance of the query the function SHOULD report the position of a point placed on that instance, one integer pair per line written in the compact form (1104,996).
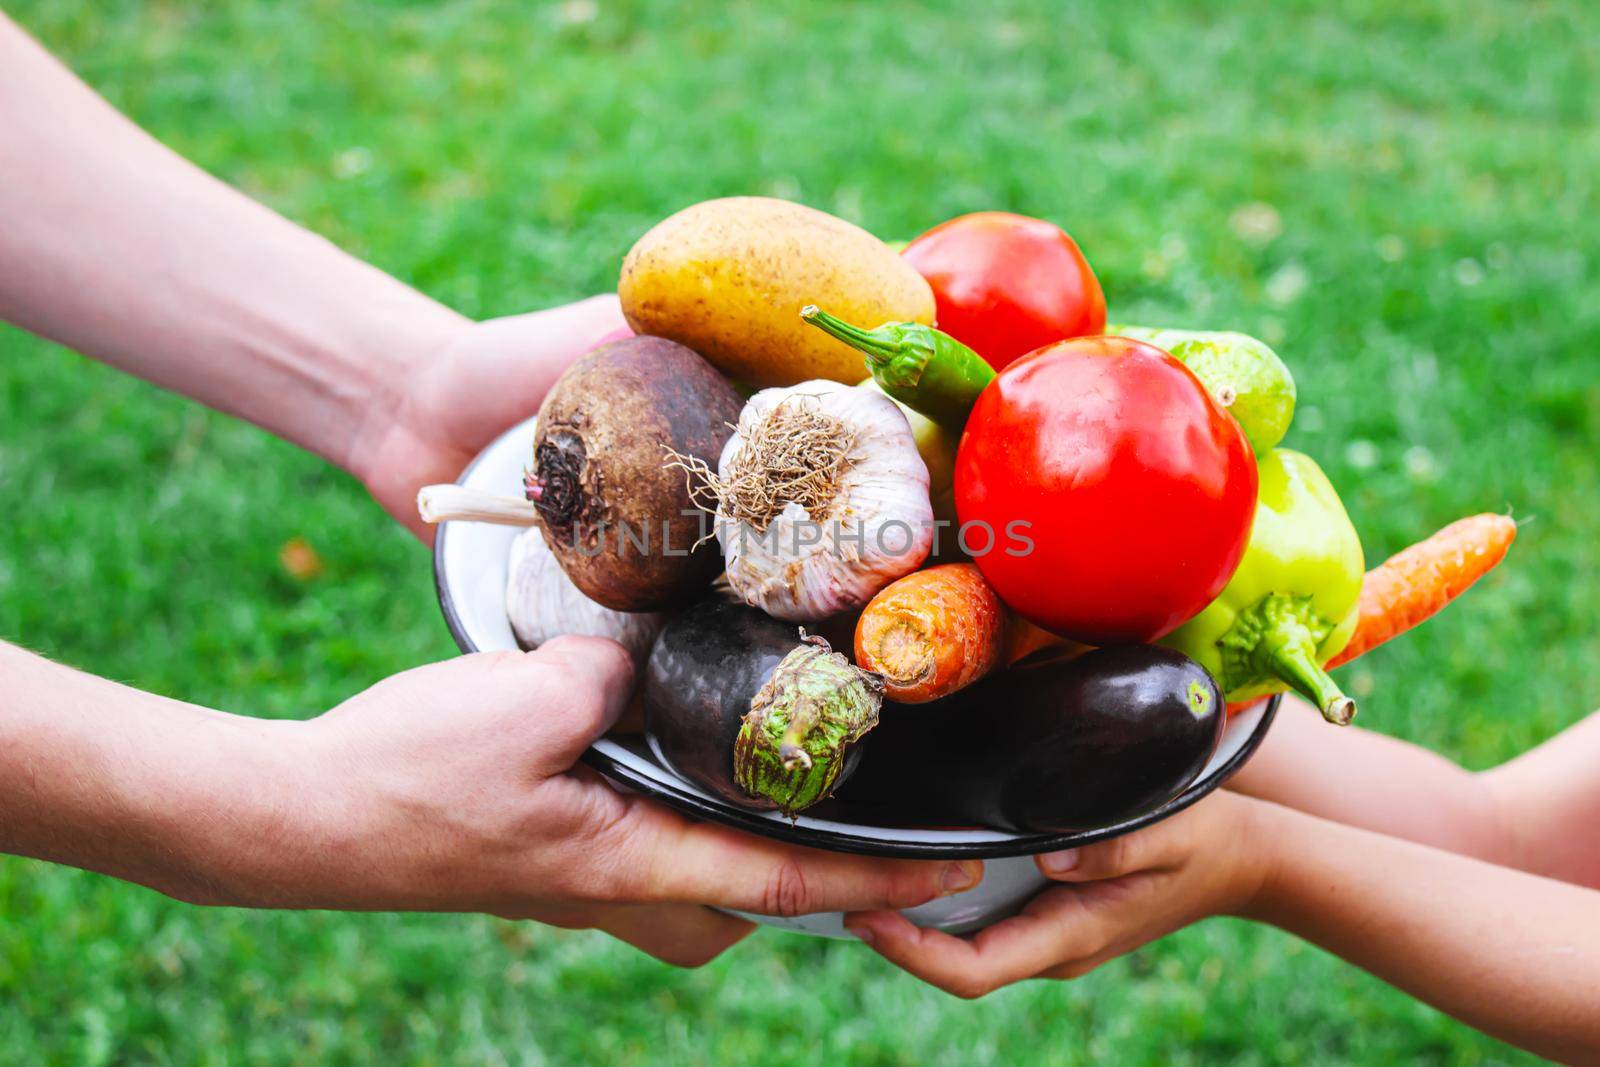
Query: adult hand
(1119,895)
(485,378)
(455,787)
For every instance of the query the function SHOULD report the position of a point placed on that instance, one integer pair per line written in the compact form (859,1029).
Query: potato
(728,278)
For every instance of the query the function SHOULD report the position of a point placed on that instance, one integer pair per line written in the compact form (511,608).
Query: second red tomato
(1006,284)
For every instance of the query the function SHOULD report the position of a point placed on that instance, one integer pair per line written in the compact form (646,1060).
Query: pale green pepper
(937,447)
(1292,604)
(1243,374)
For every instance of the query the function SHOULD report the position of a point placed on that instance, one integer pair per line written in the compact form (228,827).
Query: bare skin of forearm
(155,791)
(117,247)
(1536,813)
(1553,796)
(1375,782)
(1513,954)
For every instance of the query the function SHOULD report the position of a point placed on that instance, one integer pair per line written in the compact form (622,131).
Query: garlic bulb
(543,604)
(822,500)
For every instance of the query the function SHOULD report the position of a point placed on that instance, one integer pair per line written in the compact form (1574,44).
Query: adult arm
(119,248)
(447,788)
(115,246)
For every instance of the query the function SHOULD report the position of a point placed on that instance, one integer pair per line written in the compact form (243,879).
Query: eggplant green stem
(795,742)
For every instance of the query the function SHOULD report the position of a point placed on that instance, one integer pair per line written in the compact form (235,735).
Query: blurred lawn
(1401,196)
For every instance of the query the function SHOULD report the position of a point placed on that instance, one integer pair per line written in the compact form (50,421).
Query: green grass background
(1400,195)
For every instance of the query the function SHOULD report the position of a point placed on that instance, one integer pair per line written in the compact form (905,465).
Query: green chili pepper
(923,368)
(1292,604)
(1243,374)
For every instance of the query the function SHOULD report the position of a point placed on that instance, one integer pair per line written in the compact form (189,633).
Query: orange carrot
(938,630)
(932,632)
(1023,638)
(1414,583)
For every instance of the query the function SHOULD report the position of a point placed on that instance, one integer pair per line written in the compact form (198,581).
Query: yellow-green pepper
(937,447)
(1292,604)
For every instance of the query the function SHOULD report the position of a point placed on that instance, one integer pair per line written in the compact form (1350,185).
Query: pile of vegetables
(922,531)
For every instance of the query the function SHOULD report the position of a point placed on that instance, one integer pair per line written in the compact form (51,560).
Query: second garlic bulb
(543,604)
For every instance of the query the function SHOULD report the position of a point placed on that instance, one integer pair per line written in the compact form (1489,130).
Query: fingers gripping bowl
(470,569)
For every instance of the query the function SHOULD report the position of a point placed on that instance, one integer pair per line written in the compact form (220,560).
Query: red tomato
(1138,489)
(1006,284)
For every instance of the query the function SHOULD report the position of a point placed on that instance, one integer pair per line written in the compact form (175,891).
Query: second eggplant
(754,711)
(1073,745)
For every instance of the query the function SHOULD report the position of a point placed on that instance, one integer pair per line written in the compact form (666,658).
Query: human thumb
(578,686)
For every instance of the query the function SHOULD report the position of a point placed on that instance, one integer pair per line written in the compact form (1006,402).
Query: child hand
(1116,896)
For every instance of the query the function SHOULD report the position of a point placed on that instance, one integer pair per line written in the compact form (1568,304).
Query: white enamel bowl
(470,572)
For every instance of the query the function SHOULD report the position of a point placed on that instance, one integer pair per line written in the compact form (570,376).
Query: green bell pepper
(1243,374)
(1292,604)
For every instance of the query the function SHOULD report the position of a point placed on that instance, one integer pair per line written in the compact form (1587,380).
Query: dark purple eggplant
(1071,745)
(748,709)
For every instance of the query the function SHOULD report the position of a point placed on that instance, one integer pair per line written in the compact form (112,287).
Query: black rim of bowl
(839,840)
